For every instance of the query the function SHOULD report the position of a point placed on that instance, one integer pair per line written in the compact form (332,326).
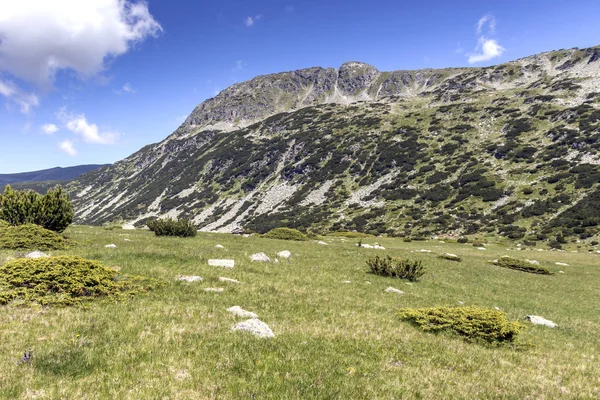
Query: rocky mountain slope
(51,174)
(512,148)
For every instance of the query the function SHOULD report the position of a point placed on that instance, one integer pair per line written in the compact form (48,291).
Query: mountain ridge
(321,148)
(49,174)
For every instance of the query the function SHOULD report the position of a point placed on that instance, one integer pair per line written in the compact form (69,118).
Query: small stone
(561,272)
(367,283)
(111,246)
(219,246)
(37,254)
(423,251)
(450,256)
(254,326)
(127,240)
(214,290)
(462,303)
(222,263)
(481,248)
(116,268)
(393,290)
(240,312)
(190,278)
(346,281)
(367,246)
(284,254)
(562,264)
(537,320)
(497,308)
(378,247)
(260,257)
(534,262)
(229,280)
(322,242)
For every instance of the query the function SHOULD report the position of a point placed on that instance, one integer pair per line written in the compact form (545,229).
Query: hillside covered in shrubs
(512,149)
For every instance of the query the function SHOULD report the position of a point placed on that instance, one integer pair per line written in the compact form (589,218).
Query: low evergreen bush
(31,237)
(471,322)
(172,227)
(462,240)
(64,280)
(396,267)
(520,265)
(285,234)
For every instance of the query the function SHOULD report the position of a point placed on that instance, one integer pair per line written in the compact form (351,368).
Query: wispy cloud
(459,48)
(24,100)
(49,129)
(128,89)
(68,147)
(88,132)
(239,66)
(250,21)
(487,47)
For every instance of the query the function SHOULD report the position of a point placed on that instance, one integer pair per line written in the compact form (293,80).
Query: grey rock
(260,257)
(37,254)
(255,327)
(537,320)
(240,312)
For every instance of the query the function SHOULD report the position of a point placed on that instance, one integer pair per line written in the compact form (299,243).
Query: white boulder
(260,257)
(393,290)
(284,254)
(254,326)
(322,242)
(190,278)
(229,280)
(222,263)
(562,264)
(37,254)
(111,246)
(219,246)
(537,320)
(240,312)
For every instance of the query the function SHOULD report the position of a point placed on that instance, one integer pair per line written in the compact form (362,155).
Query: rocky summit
(511,149)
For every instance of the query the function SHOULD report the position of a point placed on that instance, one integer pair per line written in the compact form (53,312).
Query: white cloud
(24,100)
(90,133)
(250,21)
(41,37)
(68,147)
(127,88)
(49,129)
(487,48)
(486,19)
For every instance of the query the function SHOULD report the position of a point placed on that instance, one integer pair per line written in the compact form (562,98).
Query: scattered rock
(534,262)
(116,268)
(481,248)
(111,246)
(240,312)
(561,272)
(562,264)
(190,278)
(214,289)
(37,254)
(322,242)
(367,283)
(260,257)
(222,263)
(346,281)
(127,240)
(284,254)
(219,246)
(229,280)
(537,320)
(497,308)
(367,246)
(254,326)
(393,290)
(378,247)
(450,256)
(423,251)
(462,303)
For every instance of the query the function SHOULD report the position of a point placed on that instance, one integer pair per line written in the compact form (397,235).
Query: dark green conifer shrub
(285,234)
(396,267)
(472,322)
(172,227)
(520,265)
(462,240)
(52,211)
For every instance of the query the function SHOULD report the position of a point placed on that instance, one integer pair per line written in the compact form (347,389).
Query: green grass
(334,339)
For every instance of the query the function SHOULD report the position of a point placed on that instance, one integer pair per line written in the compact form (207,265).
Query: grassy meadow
(334,340)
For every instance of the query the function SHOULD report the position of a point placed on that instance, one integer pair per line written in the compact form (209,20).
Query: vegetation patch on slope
(30,237)
(285,234)
(471,322)
(64,280)
(520,265)
(396,267)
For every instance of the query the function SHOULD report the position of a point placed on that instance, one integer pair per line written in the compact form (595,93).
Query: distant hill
(52,174)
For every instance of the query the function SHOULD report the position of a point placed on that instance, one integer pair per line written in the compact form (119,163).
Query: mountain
(52,174)
(511,149)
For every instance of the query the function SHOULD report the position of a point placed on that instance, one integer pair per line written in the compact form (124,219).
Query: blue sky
(94,81)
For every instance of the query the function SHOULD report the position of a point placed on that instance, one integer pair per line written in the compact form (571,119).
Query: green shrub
(31,237)
(462,240)
(520,265)
(471,322)
(350,235)
(172,227)
(396,267)
(52,211)
(64,280)
(285,234)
